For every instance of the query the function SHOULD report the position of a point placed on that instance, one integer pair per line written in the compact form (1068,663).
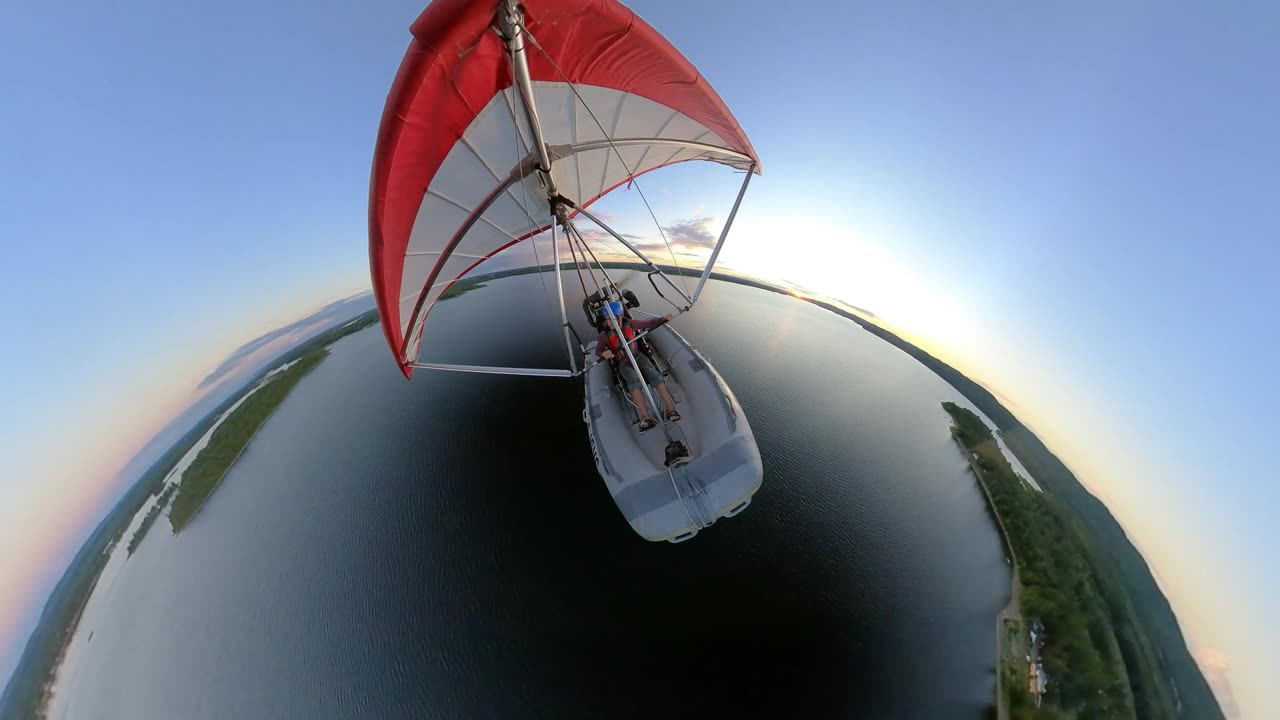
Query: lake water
(445,548)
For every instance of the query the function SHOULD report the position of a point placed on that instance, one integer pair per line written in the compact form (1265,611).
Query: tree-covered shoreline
(1059,587)
(232,436)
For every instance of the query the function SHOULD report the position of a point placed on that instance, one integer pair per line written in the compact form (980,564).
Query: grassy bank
(231,438)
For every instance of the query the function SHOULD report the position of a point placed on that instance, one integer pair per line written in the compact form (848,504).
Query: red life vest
(626,330)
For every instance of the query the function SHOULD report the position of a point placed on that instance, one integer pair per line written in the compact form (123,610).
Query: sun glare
(844,264)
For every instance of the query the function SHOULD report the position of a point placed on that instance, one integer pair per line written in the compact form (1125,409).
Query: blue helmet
(614,307)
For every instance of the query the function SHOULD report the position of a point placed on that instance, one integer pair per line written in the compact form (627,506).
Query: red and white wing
(448,190)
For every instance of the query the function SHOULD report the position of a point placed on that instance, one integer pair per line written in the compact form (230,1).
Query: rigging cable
(587,249)
(663,423)
(630,175)
(578,267)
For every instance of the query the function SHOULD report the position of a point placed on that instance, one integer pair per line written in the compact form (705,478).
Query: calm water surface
(445,548)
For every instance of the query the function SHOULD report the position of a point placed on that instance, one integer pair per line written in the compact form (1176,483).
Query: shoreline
(1012,611)
(1056,587)
(173,480)
(1010,557)
(287,375)
(30,689)
(223,476)
(46,691)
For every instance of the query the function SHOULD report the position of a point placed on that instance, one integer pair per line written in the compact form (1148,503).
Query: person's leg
(632,383)
(652,375)
(641,403)
(666,398)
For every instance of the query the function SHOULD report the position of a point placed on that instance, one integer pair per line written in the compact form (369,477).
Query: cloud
(694,231)
(263,348)
(687,242)
(697,210)
(1217,670)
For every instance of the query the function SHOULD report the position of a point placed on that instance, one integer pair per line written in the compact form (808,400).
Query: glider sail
(502,116)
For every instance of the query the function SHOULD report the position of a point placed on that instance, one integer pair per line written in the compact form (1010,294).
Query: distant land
(236,373)
(27,691)
(1058,648)
(1163,674)
(233,434)
(1163,679)
(335,311)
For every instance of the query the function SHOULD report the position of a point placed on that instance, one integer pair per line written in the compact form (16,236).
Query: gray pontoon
(715,479)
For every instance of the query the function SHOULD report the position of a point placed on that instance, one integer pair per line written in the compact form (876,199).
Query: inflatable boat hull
(722,470)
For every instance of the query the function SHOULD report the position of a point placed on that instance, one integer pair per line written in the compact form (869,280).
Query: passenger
(607,347)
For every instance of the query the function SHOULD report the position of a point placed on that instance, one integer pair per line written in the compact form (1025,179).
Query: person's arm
(602,346)
(650,324)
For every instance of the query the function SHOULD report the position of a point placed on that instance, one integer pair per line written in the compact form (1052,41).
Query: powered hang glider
(509,119)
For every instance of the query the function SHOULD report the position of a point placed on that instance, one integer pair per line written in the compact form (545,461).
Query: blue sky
(1076,203)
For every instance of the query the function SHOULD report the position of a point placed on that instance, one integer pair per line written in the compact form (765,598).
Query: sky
(1075,203)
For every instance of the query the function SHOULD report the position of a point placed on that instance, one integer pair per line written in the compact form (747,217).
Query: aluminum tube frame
(622,338)
(564,318)
(639,335)
(606,144)
(495,370)
(724,233)
(637,252)
(511,22)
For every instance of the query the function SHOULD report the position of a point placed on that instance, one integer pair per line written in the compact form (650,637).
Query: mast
(511,23)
